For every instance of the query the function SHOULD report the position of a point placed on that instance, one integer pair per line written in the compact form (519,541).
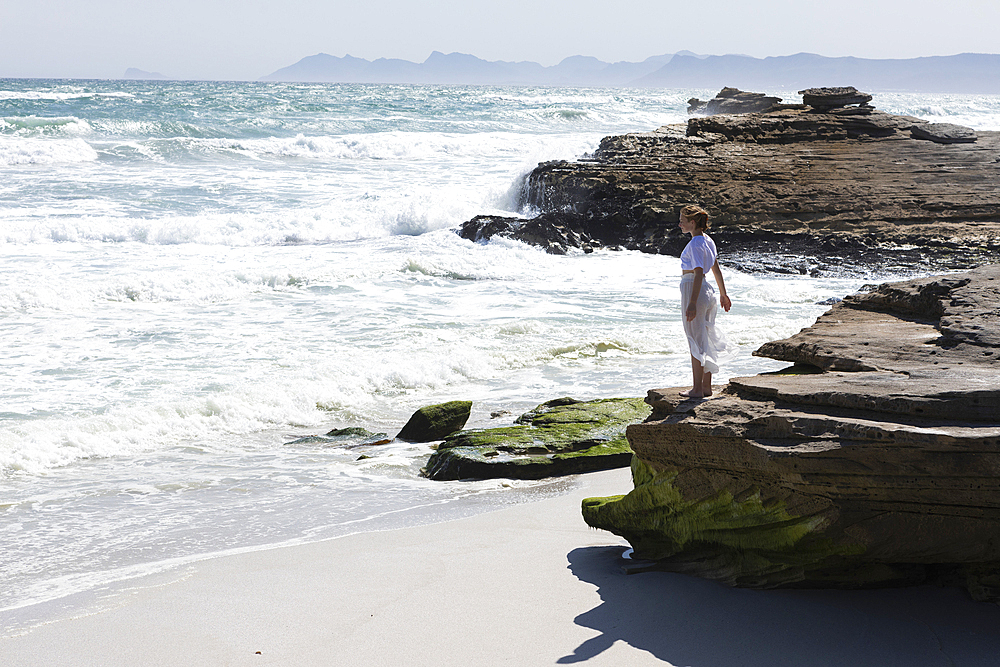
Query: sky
(248,39)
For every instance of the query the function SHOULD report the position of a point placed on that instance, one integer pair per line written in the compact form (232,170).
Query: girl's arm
(723,297)
(691,311)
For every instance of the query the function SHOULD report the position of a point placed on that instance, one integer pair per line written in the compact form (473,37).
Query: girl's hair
(697,215)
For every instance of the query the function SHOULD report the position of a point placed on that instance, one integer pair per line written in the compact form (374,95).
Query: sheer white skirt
(704,340)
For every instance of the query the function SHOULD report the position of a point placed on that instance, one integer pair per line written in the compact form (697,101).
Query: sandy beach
(525,585)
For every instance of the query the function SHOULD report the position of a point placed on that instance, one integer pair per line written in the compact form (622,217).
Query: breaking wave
(17,151)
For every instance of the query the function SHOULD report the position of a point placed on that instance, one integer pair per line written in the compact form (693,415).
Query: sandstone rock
(879,466)
(944,133)
(434,422)
(561,437)
(828,98)
(733,100)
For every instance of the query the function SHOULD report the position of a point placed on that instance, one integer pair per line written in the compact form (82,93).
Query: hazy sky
(247,39)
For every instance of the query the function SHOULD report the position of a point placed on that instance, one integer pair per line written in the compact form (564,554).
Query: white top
(700,251)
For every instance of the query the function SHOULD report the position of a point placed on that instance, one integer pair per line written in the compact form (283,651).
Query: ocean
(196,274)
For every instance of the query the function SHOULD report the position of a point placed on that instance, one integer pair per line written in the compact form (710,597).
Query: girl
(698,300)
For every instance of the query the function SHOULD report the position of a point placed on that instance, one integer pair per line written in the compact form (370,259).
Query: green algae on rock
(560,437)
(742,541)
(435,422)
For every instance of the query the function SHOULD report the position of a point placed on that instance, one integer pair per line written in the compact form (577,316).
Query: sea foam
(18,151)
(980,112)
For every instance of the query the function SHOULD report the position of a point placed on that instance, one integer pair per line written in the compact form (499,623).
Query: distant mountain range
(963,73)
(460,68)
(142,75)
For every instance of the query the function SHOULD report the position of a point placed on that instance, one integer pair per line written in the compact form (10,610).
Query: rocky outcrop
(874,460)
(561,437)
(796,189)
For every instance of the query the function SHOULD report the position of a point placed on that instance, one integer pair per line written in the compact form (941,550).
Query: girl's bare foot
(691,393)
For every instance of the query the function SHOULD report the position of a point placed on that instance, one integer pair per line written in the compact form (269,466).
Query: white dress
(705,341)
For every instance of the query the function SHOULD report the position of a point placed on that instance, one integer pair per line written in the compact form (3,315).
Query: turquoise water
(197,273)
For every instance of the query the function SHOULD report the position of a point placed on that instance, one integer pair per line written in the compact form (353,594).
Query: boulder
(561,437)
(944,133)
(829,98)
(874,460)
(733,100)
(435,422)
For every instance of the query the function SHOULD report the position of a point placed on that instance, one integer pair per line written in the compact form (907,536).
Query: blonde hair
(697,215)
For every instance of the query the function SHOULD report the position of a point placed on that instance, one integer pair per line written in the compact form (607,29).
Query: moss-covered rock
(741,541)
(560,437)
(435,422)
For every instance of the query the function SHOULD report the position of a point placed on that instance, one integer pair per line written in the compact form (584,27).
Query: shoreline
(85,598)
(529,584)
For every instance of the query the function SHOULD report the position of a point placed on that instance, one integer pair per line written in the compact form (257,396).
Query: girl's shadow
(688,621)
